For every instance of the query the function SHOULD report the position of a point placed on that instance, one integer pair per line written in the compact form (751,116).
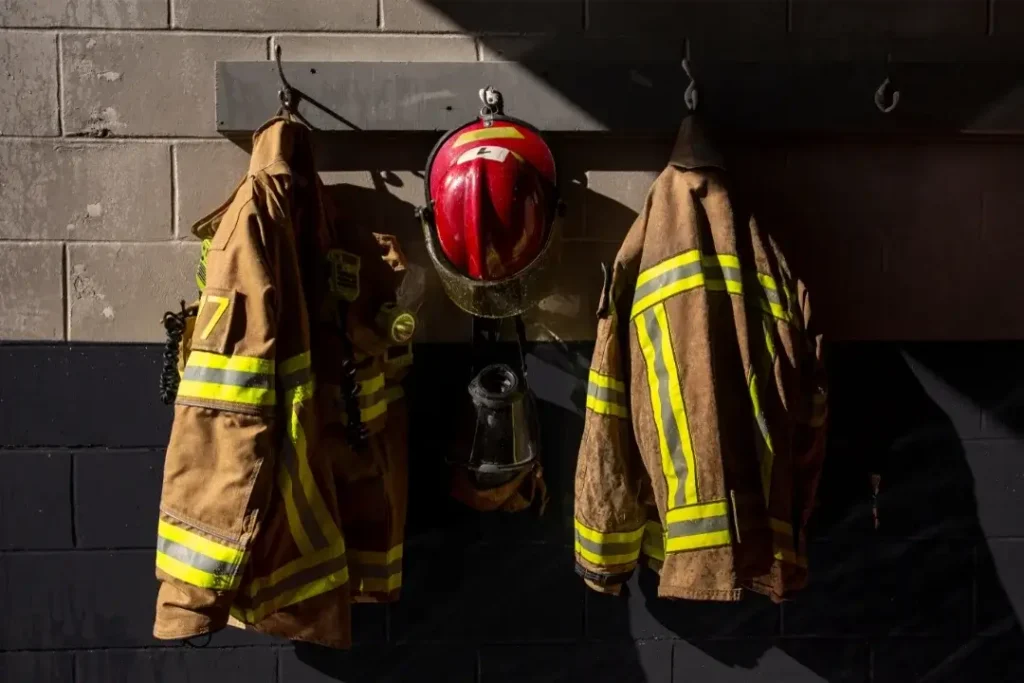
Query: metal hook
(880,97)
(690,96)
(286,94)
(494,103)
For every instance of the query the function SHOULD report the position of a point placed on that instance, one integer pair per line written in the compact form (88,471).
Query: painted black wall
(932,595)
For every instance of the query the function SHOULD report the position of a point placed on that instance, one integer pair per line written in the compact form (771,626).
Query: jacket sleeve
(219,464)
(609,519)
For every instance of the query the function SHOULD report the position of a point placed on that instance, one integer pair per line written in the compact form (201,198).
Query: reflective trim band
(494,133)
(226,393)
(305,530)
(371,385)
(654,541)
(374,584)
(607,549)
(694,527)
(375,571)
(377,557)
(297,588)
(297,362)
(392,394)
(205,359)
(235,378)
(789,557)
(607,382)
(716,272)
(765,448)
(197,560)
(677,459)
(606,395)
(374,411)
(296,379)
(261,585)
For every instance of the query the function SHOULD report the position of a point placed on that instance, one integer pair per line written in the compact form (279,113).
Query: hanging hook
(880,97)
(286,94)
(494,103)
(690,96)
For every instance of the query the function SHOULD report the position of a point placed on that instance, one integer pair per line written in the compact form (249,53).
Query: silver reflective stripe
(604,393)
(763,425)
(668,418)
(719,272)
(298,580)
(666,278)
(693,527)
(771,294)
(378,571)
(313,532)
(609,548)
(297,378)
(194,559)
(235,378)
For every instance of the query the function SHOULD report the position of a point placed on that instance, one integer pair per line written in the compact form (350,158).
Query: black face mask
(504,438)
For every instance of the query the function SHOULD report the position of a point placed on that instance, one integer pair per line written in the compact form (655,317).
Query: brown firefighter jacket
(706,407)
(269,519)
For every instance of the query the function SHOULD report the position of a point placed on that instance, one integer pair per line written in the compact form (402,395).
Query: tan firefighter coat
(706,407)
(269,519)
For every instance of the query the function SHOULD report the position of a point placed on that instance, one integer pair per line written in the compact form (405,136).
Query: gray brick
(28,83)
(35,500)
(94,13)
(792,661)
(739,19)
(117,498)
(205,175)
(37,667)
(381,664)
(146,83)
(474,16)
(950,660)
(118,292)
(614,199)
(263,15)
(60,395)
(964,17)
(544,49)
(31,291)
(196,665)
(625,662)
(81,599)
(85,191)
(377,48)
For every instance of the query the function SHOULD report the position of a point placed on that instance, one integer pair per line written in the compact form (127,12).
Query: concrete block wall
(108,154)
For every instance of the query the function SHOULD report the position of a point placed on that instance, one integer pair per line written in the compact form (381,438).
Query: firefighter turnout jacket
(706,400)
(272,516)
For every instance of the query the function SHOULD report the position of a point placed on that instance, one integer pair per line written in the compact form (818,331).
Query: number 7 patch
(213,321)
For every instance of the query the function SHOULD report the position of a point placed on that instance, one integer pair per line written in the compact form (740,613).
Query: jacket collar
(281,145)
(693,149)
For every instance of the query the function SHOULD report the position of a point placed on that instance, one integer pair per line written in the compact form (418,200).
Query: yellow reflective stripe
(204,359)
(378,584)
(790,557)
(607,408)
(659,295)
(305,592)
(299,362)
(778,526)
(699,511)
(291,512)
(686,258)
(227,393)
(766,450)
(654,541)
(609,537)
(376,556)
(312,492)
(606,560)
(722,260)
(698,541)
(196,577)
(392,394)
(492,133)
(677,458)
(371,385)
(731,286)
(200,544)
(294,567)
(607,382)
(374,411)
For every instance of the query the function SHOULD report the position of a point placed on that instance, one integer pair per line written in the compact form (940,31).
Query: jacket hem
(686,593)
(184,635)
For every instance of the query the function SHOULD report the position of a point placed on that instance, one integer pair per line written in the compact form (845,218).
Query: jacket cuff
(602,582)
(187,611)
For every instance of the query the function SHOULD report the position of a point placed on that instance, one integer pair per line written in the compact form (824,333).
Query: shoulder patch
(344,274)
(217,309)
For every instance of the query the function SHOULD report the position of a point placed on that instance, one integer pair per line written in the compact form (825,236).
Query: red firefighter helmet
(490,219)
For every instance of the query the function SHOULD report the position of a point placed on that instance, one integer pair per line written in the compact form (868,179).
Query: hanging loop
(494,103)
(286,94)
(880,97)
(690,96)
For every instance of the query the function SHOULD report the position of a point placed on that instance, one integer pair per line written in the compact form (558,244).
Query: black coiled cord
(174,325)
(355,430)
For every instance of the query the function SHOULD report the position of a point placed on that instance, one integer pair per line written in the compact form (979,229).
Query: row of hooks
(491,99)
(690,96)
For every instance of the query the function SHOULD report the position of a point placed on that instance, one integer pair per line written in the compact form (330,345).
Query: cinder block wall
(108,153)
